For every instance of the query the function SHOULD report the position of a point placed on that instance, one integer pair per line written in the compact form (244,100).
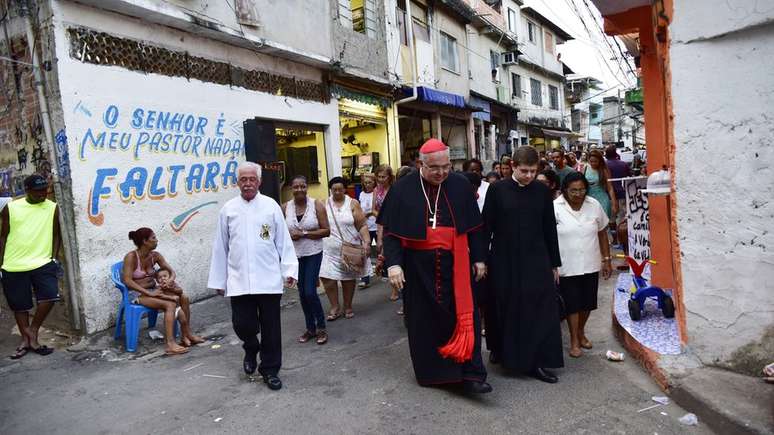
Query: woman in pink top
(139,275)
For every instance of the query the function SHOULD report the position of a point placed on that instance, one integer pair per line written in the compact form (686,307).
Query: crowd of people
(506,254)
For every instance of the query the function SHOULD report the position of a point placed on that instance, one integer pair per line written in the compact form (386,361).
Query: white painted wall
(90,91)
(724,171)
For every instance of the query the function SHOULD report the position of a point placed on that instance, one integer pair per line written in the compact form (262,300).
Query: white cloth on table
(578,239)
(252,252)
(332,265)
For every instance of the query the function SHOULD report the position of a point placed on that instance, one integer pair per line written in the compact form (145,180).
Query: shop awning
(433,96)
(558,133)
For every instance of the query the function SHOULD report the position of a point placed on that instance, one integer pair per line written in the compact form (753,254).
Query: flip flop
(43,350)
(176,352)
(394,298)
(349,315)
(333,317)
(20,352)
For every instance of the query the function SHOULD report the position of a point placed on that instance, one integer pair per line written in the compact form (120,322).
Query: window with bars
(553,97)
(536,92)
(516,85)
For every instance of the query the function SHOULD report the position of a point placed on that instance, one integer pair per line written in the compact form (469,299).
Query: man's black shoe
(475,387)
(544,375)
(272,381)
(250,364)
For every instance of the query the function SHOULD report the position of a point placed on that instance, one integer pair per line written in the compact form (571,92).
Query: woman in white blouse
(583,245)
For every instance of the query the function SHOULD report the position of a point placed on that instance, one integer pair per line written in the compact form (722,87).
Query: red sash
(460,346)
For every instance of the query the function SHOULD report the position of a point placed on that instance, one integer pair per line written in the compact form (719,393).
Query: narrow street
(360,382)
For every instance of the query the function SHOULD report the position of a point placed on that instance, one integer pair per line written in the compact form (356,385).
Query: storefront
(437,114)
(364,121)
(301,149)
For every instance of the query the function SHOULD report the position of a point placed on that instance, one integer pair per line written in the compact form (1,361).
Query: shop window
(516,85)
(536,91)
(449,55)
(553,97)
(359,15)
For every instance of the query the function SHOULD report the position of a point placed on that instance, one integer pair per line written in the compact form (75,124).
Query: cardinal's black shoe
(250,363)
(272,381)
(544,375)
(475,387)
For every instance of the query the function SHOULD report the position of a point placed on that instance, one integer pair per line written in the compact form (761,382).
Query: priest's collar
(517,181)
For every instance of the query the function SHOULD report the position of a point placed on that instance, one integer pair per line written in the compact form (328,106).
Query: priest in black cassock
(432,234)
(523,325)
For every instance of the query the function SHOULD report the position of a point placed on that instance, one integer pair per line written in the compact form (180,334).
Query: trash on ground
(769,370)
(193,367)
(155,335)
(215,346)
(663,413)
(661,399)
(218,419)
(213,376)
(614,356)
(689,419)
(649,408)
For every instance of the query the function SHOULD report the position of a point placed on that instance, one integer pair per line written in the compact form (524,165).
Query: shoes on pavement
(544,375)
(272,381)
(250,363)
(475,387)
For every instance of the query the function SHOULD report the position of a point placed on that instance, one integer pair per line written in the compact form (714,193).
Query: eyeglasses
(576,191)
(436,169)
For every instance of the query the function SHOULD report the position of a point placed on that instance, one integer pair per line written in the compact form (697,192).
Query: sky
(588,54)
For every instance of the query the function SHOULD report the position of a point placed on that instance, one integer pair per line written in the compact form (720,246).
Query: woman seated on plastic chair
(139,275)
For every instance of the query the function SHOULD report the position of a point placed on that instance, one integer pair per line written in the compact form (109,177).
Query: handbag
(351,254)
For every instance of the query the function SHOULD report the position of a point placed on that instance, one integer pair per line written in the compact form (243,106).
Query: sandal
(333,316)
(20,352)
(43,350)
(394,297)
(306,336)
(349,314)
(575,354)
(586,344)
(180,351)
(322,337)
(399,312)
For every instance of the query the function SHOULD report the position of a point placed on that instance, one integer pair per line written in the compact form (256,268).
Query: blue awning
(433,96)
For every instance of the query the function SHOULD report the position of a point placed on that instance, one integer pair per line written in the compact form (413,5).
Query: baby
(167,286)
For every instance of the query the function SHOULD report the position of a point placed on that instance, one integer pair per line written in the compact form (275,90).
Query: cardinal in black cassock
(523,325)
(432,242)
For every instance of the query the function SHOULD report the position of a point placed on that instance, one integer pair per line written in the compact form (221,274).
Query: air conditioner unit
(510,58)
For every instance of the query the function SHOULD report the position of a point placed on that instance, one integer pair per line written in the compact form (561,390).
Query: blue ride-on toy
(642,290)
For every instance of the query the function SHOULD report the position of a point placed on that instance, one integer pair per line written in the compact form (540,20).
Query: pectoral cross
(433,220)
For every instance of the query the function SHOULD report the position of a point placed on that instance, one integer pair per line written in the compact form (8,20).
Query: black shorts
(18,286)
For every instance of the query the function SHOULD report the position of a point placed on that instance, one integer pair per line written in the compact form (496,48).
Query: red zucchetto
(433,146)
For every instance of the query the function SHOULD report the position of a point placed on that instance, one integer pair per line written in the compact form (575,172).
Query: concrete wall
(446,80)
(359,53)
(724,177)
(302,24)
(109,202)
(480,66)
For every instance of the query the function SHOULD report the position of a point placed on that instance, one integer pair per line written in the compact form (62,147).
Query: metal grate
(100,48)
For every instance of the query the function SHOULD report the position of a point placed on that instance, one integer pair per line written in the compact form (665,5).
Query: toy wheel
(634,310)
(668,307)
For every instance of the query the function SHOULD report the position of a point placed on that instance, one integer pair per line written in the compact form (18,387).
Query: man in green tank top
(29,242)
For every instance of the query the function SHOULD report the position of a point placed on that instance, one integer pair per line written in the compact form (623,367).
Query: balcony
(491,20)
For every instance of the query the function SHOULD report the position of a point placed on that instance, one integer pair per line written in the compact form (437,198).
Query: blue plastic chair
(131,312)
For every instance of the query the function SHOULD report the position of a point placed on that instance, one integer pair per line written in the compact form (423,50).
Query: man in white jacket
(252,257)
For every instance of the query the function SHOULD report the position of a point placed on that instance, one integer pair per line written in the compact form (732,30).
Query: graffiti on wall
(206,148)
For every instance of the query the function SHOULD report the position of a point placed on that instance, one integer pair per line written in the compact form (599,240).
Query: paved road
(360,382)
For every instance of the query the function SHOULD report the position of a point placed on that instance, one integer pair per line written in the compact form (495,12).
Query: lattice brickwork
(104,49)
